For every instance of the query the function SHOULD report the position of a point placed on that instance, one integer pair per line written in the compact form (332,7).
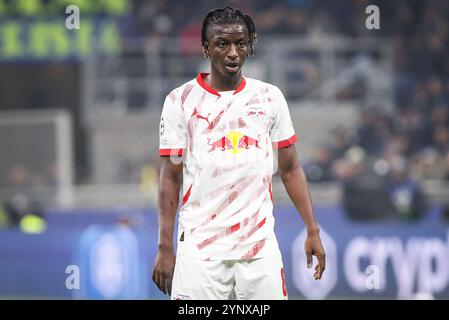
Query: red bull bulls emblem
(234,141)
(256,114)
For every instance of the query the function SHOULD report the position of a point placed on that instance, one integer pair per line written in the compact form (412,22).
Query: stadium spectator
(20,212)
(319,169)
(405,193)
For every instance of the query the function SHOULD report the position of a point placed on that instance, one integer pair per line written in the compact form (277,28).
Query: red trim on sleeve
(203,84)
(187,195)
(284,287)
(285,143)
(171,152)
(271,192)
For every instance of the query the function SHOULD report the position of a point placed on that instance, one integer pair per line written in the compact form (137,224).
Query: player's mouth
(232,66)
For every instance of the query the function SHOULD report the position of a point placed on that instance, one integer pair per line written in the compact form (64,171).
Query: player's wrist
(313,230)
(166,248)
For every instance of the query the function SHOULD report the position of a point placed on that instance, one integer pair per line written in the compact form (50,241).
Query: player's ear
(206,50)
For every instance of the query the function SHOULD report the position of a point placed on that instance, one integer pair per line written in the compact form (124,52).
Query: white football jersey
(227,142)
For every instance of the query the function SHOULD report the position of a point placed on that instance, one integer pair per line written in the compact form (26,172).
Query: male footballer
(227,128)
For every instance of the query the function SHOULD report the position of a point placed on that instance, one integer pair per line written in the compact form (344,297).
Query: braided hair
(228,14)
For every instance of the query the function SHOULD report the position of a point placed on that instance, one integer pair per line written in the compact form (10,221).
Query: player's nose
(232,52)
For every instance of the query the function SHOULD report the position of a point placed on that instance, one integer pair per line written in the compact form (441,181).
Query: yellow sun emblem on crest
(235,136)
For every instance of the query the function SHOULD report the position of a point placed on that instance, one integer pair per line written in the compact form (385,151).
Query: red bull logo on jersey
(234,141)
(256,114)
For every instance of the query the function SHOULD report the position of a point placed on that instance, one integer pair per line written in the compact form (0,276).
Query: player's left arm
(295,182)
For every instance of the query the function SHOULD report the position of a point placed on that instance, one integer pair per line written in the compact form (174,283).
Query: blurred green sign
(36,29)
(39,8)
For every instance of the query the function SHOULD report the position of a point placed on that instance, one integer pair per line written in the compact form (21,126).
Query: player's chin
(232,71)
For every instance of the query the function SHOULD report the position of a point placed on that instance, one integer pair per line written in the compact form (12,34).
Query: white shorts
(256,279)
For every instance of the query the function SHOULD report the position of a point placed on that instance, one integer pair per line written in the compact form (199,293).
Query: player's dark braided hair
(229,14)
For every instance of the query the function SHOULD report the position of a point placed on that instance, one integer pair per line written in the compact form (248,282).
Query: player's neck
(220,83)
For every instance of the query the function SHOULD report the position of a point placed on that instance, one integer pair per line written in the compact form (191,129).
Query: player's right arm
(172,143)
(168,200)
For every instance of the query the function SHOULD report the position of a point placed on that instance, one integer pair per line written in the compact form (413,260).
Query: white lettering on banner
(373,20)
(380,253)
(356,249)
(423,259)
(73,20)
(434,281)
(73,279)
(303,278)
(373,279)
(404,263)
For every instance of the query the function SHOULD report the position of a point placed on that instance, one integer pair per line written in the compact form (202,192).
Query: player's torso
(228,165)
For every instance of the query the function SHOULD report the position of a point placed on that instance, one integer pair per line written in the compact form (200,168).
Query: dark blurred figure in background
(319,169)
(365,192)
(366,197)
(406,195)
(387,195)
(20,212)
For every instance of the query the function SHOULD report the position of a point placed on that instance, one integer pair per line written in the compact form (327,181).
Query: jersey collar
(202,83)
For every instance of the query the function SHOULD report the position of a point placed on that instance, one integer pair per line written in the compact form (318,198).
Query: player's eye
(242,45)
(222,44)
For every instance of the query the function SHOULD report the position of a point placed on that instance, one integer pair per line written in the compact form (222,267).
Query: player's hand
(164,266)
(313,247)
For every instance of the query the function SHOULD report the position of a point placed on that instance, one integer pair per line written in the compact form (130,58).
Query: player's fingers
(169,284)
(153,275)
(316,275)
(318,272)
(164,284)
(321,265)
(160,282)
(322,262)
(156,279)
(309,258)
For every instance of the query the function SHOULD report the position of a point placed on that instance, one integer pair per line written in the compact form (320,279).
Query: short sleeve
(282,132)
(172,128)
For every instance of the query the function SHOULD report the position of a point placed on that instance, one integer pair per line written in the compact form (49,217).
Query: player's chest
(228,114)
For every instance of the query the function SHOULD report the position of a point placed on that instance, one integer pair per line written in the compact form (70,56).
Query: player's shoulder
(255,84)
(176,92)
